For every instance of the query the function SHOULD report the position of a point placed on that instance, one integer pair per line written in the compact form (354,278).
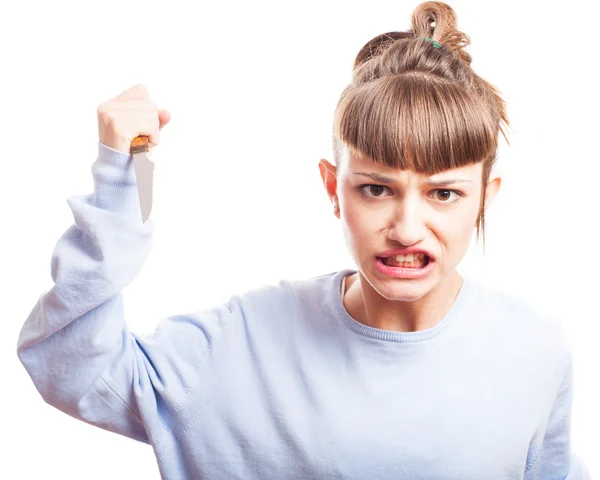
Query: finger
(149,129)
(153,139)
(164,117)
(153,135)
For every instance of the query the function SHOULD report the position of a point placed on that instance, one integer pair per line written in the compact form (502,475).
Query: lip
(406,273)
(405,251)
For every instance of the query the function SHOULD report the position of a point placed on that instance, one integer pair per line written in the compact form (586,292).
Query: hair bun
(377,45)
(437,20)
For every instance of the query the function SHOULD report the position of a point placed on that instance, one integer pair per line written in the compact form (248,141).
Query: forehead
(354,163)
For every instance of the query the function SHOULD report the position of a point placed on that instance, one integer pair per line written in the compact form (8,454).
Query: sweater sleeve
(75,344)
(550,456)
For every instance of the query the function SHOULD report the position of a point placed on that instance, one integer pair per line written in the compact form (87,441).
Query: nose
(407,224)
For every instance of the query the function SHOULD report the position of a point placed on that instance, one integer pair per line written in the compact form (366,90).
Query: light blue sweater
(281,383)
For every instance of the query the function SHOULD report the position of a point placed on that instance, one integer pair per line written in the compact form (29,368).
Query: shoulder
(523,328)
(289,294)
(282,313)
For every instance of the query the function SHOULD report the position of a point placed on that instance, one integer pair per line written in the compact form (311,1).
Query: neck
(367,306)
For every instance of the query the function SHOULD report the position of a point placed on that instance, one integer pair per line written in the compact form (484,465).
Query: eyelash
(361,189)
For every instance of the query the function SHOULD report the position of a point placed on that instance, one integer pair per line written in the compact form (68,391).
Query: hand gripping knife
(144,173)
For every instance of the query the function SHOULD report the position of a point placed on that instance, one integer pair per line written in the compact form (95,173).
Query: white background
(238,197)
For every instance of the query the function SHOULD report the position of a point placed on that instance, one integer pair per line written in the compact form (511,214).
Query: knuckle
(101,110)
(107,115)
(142,89)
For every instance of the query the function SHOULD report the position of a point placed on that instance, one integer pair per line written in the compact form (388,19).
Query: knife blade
(144,173)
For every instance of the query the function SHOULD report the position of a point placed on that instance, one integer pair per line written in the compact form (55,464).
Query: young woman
(398,369)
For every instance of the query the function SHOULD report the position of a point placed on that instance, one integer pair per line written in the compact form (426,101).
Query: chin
(403,292)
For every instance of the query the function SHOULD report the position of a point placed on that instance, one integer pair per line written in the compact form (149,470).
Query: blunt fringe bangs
(415,121)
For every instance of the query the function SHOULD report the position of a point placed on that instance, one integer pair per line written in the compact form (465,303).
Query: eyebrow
(439,183)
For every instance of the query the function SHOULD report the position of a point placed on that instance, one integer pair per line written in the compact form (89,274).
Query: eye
(373,190)
(446,193)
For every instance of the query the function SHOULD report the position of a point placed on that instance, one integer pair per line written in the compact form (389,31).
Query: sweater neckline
(389,335)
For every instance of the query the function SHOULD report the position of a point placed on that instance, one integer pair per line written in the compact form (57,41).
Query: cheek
(363,229)
(456,229)
(356,216)
(359,224)
(351,214)
(354,224)
(456,226)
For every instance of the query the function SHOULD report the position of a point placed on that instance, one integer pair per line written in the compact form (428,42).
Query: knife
(144,173)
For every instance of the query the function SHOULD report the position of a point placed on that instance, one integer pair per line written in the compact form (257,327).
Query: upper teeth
(411,257)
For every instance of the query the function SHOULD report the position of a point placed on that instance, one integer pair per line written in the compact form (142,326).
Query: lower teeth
(404,264)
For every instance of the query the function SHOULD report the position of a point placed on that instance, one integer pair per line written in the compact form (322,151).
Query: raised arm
(75,343)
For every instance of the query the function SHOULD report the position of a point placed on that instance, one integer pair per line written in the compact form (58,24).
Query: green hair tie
(435,44)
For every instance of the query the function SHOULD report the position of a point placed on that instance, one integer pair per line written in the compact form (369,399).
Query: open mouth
(409,261)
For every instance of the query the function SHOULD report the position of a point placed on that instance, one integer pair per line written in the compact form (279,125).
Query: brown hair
(414,105)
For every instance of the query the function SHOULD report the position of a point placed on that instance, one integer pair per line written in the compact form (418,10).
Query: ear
(328,175)
(493,186)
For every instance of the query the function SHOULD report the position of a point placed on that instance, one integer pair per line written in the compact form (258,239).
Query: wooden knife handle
(140,144)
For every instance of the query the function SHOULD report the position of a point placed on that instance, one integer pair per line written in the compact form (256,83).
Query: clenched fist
(128,115)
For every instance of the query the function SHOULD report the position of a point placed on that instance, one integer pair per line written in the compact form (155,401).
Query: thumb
(164,117)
